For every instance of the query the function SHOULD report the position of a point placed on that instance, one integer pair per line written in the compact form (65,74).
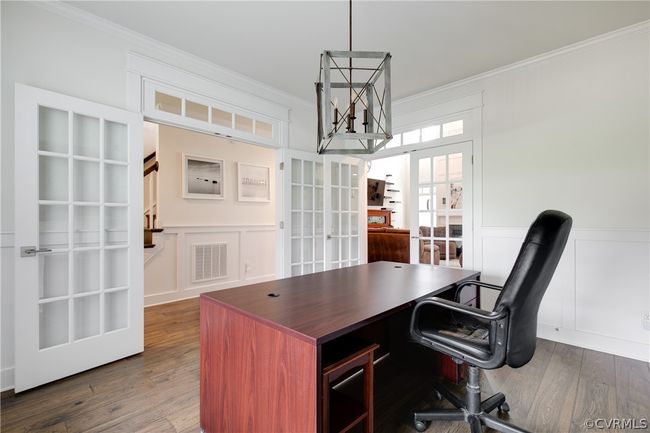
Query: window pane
(439,168)
(263,129)
(411,137)
(220,117)
(196,111)
(168,103)
(452,128)
(243,123)
(431,133)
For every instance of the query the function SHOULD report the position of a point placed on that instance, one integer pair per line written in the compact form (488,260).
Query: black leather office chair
(489,340)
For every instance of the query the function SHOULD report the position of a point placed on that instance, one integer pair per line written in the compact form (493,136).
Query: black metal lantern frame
(339,131)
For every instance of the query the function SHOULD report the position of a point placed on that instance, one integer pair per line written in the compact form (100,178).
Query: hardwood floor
(158,390)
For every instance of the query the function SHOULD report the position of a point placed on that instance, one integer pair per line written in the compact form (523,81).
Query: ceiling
(432,43)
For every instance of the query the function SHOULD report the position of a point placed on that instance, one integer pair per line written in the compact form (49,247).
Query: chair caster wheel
(504,407)
(421,425)
(438,396)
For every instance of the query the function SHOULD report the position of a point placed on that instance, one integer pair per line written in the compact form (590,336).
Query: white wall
(570,131)
(247,228)
(56,47)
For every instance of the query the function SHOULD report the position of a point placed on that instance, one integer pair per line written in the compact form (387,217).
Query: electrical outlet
(645,320)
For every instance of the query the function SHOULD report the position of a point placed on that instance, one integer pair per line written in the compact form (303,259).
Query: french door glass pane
(354,247)
(115,183)
(318,199)
(116,310)
(424,171)
(53,275)
(456,195)
(318,173)
(440,168)
(85,140)
(86,226)
(296,197)
(115,141)
(296,256)
(354,199)
(335,173)
(116,225)
(345,175)
(296,170)
(86,316)
(319,223)
(115,268)
(355,175)
(456,166)
(86,181)
(53,226)
(296,223)
(308,199)
(308,245)
(52,130)
(86,271)
(354,223)
(308,173)
(53,178)
(308,221)
(53,323)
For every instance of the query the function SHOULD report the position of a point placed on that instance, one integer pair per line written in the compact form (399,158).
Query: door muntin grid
(440,208)
(344,202)
(83,217)
(307,217)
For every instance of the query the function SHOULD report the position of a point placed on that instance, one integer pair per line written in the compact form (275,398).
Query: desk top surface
(319,307)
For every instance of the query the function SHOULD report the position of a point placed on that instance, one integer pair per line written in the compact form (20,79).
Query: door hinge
(282,224)
(472,159)
(282,166)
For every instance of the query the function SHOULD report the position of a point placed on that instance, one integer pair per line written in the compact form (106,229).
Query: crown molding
(243,82)
(643,26)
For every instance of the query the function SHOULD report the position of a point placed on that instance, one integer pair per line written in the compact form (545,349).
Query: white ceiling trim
(643,26)
(208,69)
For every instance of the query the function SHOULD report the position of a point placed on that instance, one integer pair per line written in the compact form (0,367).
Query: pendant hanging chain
(351,50)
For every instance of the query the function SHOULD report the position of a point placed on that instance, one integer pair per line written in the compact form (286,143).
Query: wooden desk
(261,354)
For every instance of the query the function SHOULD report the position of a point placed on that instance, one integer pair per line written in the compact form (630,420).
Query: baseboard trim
(600,343)
(192,292)
(7,379)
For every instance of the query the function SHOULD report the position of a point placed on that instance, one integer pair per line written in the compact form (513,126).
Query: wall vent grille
(210,262)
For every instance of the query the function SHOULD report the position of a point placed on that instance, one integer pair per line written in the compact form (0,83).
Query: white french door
(324,229)
(78,258)
(344,199)
(441,205)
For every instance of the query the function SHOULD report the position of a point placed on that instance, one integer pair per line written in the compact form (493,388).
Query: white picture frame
(253,182)
(202,177)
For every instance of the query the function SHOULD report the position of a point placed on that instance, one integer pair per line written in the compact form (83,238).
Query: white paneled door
(78,258)
(324,229)
(441,205)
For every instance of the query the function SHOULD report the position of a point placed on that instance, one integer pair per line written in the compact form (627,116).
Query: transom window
(427,133)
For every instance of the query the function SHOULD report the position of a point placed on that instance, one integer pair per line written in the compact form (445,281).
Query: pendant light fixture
(362,124)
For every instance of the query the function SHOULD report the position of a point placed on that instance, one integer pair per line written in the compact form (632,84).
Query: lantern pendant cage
(362,79)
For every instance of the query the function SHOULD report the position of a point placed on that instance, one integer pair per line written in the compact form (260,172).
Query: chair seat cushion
(473,339)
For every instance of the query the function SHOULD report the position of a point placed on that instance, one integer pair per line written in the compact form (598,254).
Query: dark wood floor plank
(552,409)
(596,396)
(632,388)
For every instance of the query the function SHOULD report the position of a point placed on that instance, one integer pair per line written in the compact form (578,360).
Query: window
(426,134)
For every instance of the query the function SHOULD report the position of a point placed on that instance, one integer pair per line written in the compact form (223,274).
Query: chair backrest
(530,276)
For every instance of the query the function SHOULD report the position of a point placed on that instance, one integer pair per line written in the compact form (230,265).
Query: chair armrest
(460,308)
(480,284)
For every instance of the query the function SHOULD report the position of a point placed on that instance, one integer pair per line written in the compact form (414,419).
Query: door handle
(32,251)
(415,237)
(333,237)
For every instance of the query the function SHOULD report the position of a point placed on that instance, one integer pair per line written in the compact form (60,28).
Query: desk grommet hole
(273,295)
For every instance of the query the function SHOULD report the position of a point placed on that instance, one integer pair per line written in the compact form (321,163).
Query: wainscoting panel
(168,271)
(599,293)
(612,288)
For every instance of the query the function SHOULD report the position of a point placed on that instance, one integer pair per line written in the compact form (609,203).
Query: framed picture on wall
(202,177)
(253,182)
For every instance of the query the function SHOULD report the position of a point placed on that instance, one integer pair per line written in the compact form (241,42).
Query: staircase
(151,168)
